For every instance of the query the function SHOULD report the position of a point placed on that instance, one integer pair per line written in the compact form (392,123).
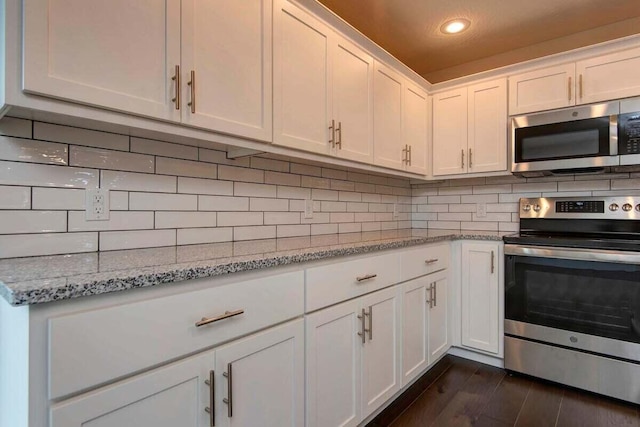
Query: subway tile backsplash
(162,193)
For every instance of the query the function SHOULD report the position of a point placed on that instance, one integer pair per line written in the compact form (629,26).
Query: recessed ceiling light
(455,26)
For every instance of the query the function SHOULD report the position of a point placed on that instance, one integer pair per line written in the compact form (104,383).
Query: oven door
(579,298)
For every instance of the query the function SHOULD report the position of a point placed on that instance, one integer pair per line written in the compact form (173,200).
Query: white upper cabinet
(301,79)
(609,77)
(415,128)
(119,54)
(544,89)
(487,132)
(470,129)
(450,132)
(352,102)
(602,78)
(207,64)
(387,115)
(227,46)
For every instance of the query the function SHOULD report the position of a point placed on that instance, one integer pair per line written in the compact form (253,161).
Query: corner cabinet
(482,312)
(597,79)
(400,122)
(470,129)
(201,64)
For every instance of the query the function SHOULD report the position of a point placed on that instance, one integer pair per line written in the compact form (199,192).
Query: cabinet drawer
(424,260)
(90,348)
(329,284)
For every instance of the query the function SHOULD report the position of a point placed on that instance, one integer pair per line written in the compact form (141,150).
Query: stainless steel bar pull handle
(470,159)
(339,136)
(229,399)
(364,329)
(332,138)
(176,79)
(211,409)
(366,277)
(431,261)
(580,84)
(430,300)
(370,315)
(404,154)
(569,87)
(409,155)
(192,84)
(226,315)
(435,294)
(462,152)
(492,261)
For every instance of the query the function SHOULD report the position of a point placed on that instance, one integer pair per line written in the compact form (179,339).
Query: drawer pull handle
(229,399)
(226,315)
(211,409)
(366,277)
(431,261)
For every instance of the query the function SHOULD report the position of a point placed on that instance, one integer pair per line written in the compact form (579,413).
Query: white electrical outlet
(96,204)
(481,210)
(308,209)
(395,210)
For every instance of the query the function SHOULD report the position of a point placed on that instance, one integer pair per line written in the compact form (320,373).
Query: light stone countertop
(35,280)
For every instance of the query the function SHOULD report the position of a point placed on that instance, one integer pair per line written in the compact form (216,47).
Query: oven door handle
(579,254)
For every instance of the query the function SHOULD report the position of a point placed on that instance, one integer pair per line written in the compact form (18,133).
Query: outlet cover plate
(96,204)
(308,209)
(481,210)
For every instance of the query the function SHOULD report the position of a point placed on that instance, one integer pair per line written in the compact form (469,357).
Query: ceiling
(502,32)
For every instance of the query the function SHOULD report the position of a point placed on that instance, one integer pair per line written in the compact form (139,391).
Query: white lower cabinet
(481,296)
(353,363)
(258,380)
(174,395)
(425,323)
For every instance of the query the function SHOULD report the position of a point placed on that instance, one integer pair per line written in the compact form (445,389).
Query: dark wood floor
(459,392)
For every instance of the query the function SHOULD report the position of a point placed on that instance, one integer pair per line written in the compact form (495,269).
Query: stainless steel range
(572,293)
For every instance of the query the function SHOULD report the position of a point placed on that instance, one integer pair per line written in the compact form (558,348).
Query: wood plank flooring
(460,392)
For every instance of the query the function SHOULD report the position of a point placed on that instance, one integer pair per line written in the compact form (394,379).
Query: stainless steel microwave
(580,138)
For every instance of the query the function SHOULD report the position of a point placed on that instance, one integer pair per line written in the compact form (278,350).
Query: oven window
(581,138)
(594,298)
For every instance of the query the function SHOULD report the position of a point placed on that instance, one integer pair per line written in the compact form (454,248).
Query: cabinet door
(227,44)
(487,121)
(538,90)
(415,119)
(174,395)
(450,132)
(387,118)
(302,79)
(415,311)
(609,77)
(381,375)
(333,366)
(353,101)
(438,317)
(118,54)
(262,379)
(480,311)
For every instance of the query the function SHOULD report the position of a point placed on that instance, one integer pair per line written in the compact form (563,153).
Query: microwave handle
(613,135)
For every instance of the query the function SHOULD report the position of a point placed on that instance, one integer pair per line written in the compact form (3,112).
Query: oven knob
(613,207)
(638,207)
(536,208)
(627,207)
(527,208)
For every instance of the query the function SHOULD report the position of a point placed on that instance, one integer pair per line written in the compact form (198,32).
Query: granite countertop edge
(62,288)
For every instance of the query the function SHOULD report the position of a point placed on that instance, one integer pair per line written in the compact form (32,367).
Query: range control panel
(581,208)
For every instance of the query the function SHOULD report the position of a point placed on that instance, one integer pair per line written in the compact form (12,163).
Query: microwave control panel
(629,133)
